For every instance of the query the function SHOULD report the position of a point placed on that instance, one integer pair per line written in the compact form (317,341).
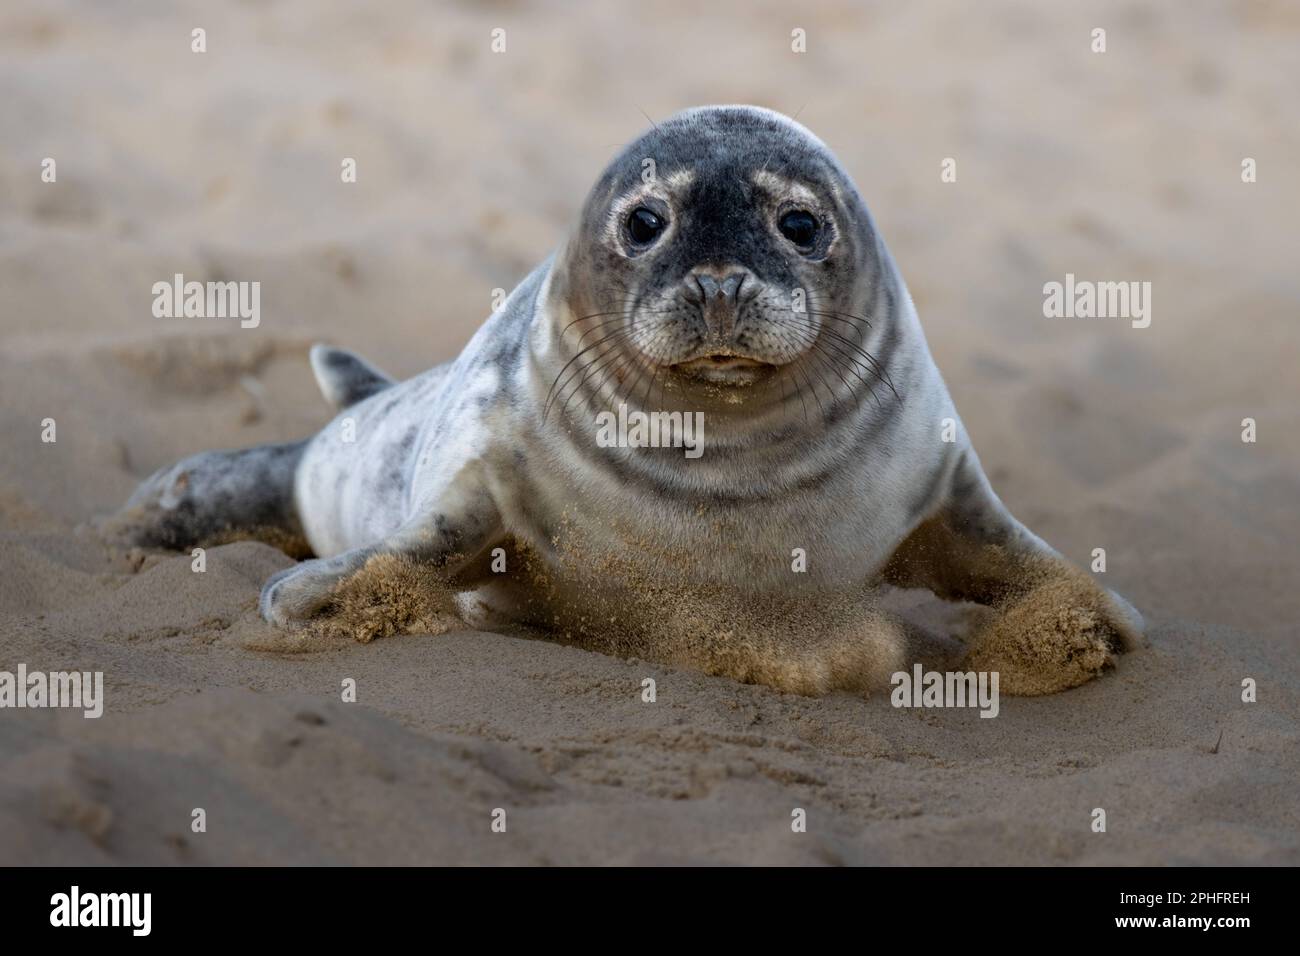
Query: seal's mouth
(725,368)
(725,360)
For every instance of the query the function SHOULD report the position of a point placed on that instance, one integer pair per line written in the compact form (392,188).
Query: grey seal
(724,270)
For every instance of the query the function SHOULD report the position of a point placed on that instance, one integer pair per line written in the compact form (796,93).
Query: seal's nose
(726,289)
(720,302)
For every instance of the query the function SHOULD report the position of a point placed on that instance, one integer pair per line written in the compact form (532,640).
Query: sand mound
(389,595)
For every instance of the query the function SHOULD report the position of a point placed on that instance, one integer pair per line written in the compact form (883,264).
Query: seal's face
(724,245)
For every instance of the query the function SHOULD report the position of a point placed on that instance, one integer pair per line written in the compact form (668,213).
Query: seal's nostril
(727,289)
(708,286)
(731,286)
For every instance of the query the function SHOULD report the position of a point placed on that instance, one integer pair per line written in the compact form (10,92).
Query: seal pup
(724,270)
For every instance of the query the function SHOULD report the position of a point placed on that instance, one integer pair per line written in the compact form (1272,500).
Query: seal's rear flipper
(215,497)
(345,378)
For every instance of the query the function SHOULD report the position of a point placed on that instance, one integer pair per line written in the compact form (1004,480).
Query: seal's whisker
(874,366)
(853,366)
(656,367)
(613,362)
(798,345)
(603,347)
(576,358)
(599,327)
(651,365)
(607,359)
(845,316)
(851,348)
(833,359)
(813,388)
(839,353)
(816,356)
(594,315)
(795,367)
(822,362)
(613,365)
(626,314)
(852,319)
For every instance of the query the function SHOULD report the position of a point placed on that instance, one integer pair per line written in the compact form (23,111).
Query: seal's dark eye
(800,227)
(644,226)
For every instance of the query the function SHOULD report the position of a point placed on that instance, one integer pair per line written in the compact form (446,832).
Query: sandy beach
(471,165)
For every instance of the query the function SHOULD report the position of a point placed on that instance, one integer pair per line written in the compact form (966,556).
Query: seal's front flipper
(214,497)
(430,554)
(301,591)
(345,378)
(1053,627)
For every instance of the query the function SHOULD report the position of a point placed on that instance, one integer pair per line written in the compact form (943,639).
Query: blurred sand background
(471,166)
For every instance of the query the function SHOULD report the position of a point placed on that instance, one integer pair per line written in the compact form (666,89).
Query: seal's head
(724,245)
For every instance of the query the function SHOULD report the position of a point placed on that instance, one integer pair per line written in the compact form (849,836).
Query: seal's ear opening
(345,378)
